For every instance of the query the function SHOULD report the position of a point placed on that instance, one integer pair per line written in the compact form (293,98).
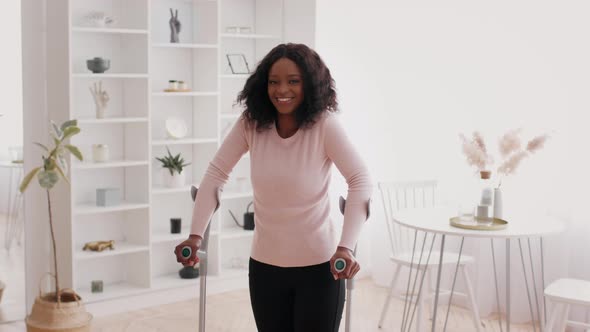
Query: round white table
(15,227)
(436,221)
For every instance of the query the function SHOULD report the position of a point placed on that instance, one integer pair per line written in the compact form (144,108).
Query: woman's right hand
(194,242)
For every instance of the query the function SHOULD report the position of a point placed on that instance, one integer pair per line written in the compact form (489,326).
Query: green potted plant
(60,310)
(172,174)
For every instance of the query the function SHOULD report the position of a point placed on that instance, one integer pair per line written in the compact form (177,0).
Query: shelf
(111,291)
(112,120)
(121,248)
(184,141)
(110,30)
(235,195)
(114,75)
(164,238)
(248,36)
(165,190)
(235,233)
(184,45)
(110,164)
(186,94)
(93,209)
(173,280)
(240,76)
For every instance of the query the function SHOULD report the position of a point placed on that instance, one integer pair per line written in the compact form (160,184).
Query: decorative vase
(175,180)
(497,203)
(175,225)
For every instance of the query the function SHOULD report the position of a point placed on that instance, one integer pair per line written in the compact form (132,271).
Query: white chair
(564,293)
(416,195)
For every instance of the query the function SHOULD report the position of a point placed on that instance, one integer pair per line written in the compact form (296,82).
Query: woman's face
(285,86)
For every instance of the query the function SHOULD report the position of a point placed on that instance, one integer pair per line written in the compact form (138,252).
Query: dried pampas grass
(537,143)
(510,148)
(509,142)
(476,152)
(512,152)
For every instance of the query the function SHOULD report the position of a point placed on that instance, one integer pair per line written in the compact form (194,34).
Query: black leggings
(295,299)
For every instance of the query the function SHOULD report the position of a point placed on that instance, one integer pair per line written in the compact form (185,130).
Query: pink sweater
(291,178)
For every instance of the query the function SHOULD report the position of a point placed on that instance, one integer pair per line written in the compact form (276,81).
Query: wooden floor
(231,312)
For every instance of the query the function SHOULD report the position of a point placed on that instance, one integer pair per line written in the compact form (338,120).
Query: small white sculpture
(101,99)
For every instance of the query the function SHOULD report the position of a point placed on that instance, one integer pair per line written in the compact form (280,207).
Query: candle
(100,152)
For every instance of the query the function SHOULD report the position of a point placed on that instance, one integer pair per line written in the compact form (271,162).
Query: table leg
(454,281)
(507,285)
(535,286)
(543,282)
(526,283)
(496,283)
(419,297)
(417,302)
(442,250)
(408,285)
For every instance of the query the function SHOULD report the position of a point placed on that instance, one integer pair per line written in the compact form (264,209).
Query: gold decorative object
(99,245)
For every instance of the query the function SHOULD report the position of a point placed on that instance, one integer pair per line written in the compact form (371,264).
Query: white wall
(412,76)
(11,105)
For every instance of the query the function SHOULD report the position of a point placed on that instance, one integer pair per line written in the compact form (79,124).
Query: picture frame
(237,63)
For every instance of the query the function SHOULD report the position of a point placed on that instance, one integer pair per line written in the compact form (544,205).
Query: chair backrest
(402,195)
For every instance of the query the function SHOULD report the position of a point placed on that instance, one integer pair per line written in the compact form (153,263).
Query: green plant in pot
(172,174)
(60,310)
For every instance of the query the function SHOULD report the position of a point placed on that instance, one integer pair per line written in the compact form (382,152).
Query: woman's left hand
(352,266)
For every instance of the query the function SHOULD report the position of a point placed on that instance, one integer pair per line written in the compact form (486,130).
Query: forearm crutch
(203,260)
(349,282)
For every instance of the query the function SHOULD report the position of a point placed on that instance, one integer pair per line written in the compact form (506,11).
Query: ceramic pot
(98,65)
(189,272)
(173,181)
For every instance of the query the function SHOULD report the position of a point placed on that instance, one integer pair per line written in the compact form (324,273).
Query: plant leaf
(69,132)
(47,179)
(56,130)
(62,173)
(70,123)
(62,164)
(75,151)
(57,143)
(28,178)
(42,146)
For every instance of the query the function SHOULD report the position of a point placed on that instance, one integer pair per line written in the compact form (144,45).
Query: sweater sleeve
(341,151)
(231,150)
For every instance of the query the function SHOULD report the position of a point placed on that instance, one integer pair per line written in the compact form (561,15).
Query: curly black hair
(318,88)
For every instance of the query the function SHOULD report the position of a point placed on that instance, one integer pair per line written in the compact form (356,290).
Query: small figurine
(99,245)
(101,99)
(174,26)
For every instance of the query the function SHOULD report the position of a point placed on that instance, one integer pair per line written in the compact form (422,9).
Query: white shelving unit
(142,62)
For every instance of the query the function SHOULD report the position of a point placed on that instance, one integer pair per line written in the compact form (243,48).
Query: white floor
(12,273)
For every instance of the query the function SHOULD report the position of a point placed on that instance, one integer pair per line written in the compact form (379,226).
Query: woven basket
(47,315)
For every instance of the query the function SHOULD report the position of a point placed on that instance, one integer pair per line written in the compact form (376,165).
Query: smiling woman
(12,271)
(293,140)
